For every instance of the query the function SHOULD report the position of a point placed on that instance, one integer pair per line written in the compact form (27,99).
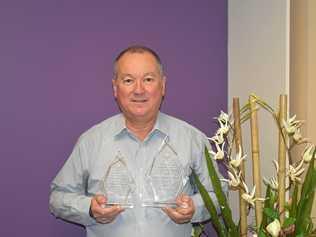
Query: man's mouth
(139,100)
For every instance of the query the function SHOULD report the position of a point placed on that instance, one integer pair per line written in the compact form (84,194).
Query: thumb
(100,199)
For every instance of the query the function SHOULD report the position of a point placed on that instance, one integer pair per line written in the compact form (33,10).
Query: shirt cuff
(80,208)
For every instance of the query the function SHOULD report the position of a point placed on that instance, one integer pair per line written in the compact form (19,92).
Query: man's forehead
(124,74)
(130,56)
(134,61)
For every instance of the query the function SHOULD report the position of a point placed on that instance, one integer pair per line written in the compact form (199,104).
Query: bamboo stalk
(282,158)
(238,142)
(255,158)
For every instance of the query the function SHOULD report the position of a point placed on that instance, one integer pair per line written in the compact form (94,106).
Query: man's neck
(140,128)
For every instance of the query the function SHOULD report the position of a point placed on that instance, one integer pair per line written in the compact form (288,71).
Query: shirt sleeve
(200,168)
(68,192)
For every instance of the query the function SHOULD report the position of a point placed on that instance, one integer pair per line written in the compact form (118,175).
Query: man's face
(139,86)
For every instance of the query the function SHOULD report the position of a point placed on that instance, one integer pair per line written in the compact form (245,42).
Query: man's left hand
(184,211)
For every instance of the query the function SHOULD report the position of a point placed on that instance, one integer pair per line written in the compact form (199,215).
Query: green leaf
(305,204)
(271,213)
(288,221)
(293,207)
(197,230)
(268,203)
(219,227)
(262,233)
(245,108)
(221,197)
(308,178)
(309,225)
(305,216)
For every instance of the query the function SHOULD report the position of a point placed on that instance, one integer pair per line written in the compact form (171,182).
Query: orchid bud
(274,228)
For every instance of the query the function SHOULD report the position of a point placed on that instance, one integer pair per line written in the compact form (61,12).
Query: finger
(101,200)
(185,198)
(181,204)
(96,208)
(187,211)
(183,201)
(176,216)
(108,214)
(186,208)
(111,211)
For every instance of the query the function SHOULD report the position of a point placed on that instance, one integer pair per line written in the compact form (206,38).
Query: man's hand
(184,211)
(101,213)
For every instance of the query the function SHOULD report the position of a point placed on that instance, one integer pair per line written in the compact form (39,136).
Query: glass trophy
(118,184)
(164,180)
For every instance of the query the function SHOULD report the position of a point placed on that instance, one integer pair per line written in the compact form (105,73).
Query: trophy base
(123,205)
(159,204)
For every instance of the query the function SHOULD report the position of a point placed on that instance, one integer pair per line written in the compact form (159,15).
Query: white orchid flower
(274,228)
(291,125)
(219,154)
(218,138)
(297,137)
(223,120)
(223,117)
(295,172)
(224,127)
(234,179)
(249,197)
(308,153)
(238,159)
(272,182)
(276,165)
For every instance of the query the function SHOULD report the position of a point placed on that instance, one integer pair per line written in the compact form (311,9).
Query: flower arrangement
(275,214)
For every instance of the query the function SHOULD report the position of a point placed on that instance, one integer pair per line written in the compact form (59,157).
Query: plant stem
(238,142)
(255,158)
(282,158)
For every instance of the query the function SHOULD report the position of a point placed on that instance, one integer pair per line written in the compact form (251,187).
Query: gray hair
(137,49)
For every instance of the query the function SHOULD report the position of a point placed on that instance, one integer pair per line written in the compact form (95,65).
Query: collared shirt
(81,176)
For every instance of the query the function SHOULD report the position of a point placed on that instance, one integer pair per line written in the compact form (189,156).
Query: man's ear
(164,80)
(114,88)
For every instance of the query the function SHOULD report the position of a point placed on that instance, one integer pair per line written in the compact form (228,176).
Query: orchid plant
(296,220)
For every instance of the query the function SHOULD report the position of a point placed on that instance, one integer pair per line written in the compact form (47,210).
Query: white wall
(258,62)
(303,68)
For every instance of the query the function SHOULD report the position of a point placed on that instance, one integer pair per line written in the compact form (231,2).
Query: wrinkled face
(139,86)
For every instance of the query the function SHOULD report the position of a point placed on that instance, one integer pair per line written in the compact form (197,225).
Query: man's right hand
(100,212)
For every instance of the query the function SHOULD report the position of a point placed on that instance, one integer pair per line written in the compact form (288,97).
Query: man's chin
(138,115)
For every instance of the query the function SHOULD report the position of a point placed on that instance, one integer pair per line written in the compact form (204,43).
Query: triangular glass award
(118,184)
(165,178)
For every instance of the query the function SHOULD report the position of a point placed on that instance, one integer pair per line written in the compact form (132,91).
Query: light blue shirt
(80,177)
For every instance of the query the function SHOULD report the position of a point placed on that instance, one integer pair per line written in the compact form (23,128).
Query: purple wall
(55,82)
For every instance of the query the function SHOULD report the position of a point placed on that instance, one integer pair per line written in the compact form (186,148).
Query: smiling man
(139,87)
(141,136)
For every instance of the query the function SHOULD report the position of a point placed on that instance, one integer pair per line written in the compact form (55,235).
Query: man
(136,134)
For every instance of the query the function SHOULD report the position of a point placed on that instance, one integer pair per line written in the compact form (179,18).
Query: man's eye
(149,79)
(127,80)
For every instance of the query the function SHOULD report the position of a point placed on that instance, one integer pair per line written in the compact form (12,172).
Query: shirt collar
(120,126)
(160,125)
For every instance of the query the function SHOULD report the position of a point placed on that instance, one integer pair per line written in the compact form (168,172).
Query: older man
(136,134)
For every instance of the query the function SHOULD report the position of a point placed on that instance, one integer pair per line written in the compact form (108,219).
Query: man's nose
(139,87)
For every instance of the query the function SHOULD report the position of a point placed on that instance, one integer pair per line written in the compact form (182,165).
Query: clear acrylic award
(118,184)
(164,180)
